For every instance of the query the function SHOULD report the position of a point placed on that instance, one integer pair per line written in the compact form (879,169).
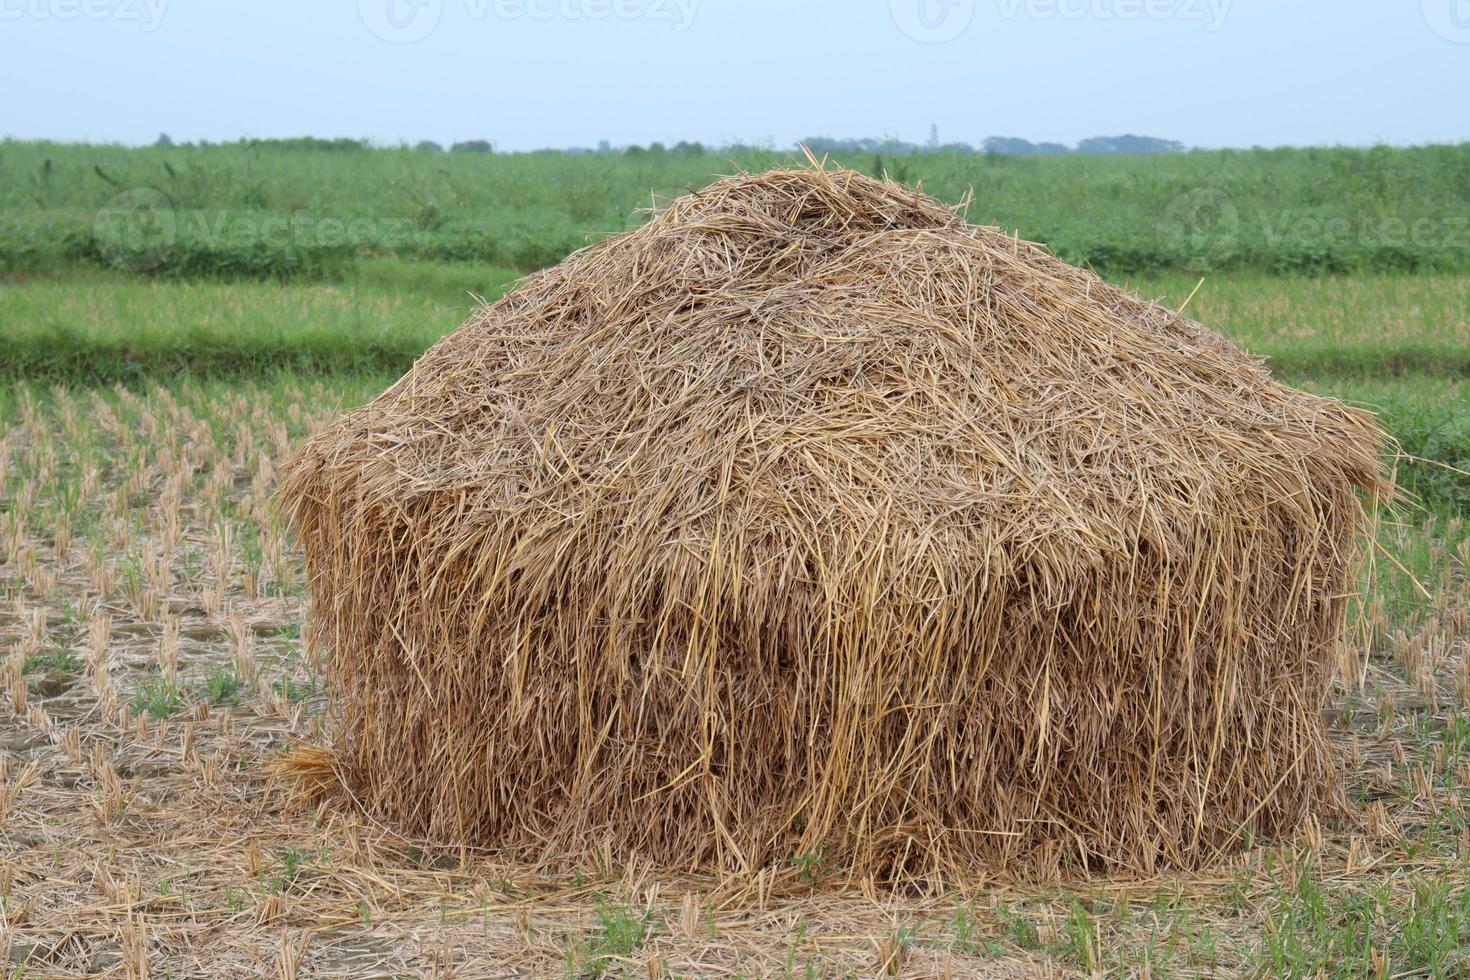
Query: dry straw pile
(808,522)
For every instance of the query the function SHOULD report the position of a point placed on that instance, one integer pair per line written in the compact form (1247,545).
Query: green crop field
(173,319)
(269,211)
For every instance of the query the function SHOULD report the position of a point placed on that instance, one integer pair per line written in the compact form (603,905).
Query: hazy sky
(531,73)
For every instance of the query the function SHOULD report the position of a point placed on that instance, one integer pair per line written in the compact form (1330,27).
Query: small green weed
(620,932)
(157,696)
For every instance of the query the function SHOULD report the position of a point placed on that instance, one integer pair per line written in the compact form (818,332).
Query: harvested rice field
(186,791)
(155,677)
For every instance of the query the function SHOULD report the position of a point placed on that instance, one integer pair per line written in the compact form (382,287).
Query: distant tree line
(1010,146)
(995,145)
(294,143)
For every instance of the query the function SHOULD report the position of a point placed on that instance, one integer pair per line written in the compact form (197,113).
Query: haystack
(810,523)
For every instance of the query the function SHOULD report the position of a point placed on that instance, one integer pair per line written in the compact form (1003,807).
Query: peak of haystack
(808,518)
(815,202)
